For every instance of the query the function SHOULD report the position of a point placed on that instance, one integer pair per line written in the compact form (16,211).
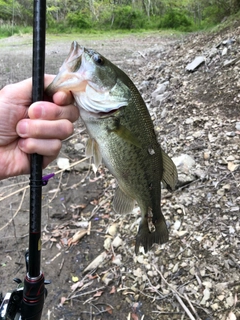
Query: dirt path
(199,269)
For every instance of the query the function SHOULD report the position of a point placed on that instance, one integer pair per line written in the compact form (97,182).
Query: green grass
(7,30)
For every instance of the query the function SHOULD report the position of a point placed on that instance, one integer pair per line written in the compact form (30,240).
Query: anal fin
(122,203)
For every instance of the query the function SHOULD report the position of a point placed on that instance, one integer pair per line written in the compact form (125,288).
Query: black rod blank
(39,31)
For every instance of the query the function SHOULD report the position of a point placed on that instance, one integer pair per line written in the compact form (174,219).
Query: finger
(47,160)
(44,129)
(50,111)
(49,148)
(20,91)
(61,98)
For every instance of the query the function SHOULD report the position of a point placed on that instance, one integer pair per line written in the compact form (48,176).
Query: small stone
(79,146)
(63,163)
(230,134)
(195,63)
(215,306)
(82,166)
(237,126)
(224,51)
(117,242)
(112,230)
(206,155)
(221,297)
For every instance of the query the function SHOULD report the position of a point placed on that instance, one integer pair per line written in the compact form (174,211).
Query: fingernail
(37,110)
(22,128)
(21,143)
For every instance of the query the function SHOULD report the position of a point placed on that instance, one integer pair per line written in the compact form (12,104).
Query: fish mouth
(67,78)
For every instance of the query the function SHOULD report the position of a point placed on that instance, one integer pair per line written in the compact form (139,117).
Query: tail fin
(147,239)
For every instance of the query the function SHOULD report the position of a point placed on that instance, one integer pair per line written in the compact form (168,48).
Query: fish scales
(123,136)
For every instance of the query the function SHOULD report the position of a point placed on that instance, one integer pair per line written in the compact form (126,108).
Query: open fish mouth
(85,73)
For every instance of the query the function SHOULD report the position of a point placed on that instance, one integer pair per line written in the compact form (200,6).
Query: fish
(121,135)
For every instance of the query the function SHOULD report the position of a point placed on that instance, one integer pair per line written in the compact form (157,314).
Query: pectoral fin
(170,175)
(122,203)
(124,133)
(92,150)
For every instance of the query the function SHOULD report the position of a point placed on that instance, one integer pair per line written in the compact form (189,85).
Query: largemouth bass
(122,135)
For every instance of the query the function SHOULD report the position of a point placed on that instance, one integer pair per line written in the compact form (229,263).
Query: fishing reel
(27,300)
(10,308)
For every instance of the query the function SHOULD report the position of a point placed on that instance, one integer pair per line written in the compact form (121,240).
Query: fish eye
(98,59)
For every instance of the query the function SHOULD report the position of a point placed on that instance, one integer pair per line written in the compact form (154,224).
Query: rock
(224,51)
(144,86)
(160,89)
(228,42)
(230,158)
(63,163)
(184,162)
(228,63)
(213,52)
(230,134)
(195,63)
(237,126)
(79,146)
(157,100)
(82,166)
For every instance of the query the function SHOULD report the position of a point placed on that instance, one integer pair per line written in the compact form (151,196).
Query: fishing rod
(26,302)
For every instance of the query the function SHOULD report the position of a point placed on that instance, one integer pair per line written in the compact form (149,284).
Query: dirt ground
(195,275)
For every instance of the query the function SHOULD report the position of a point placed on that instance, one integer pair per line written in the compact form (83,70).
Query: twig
(58,188)
(61,266)
(192,307)
(141,54)
(18,209)
(184,306)
(176,294)
(86,293)
(26,187)
(11,194)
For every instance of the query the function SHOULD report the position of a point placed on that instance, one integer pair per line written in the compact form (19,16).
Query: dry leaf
(109,310)
(134,316)
(113,290)
(77,236)
(96,262)
(79,284)
(98,293)
(63,299)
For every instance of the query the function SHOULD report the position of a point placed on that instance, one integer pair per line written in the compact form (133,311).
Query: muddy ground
(196,275)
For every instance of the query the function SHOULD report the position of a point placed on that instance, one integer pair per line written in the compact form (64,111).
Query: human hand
(27,128)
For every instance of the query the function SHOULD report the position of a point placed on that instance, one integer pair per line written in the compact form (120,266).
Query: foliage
(125,17)
(70,15)
(7,30)
(175,19)
(78,20)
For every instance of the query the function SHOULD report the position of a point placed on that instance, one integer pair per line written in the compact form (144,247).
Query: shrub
(125,17)
(78,20)
(174,19)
